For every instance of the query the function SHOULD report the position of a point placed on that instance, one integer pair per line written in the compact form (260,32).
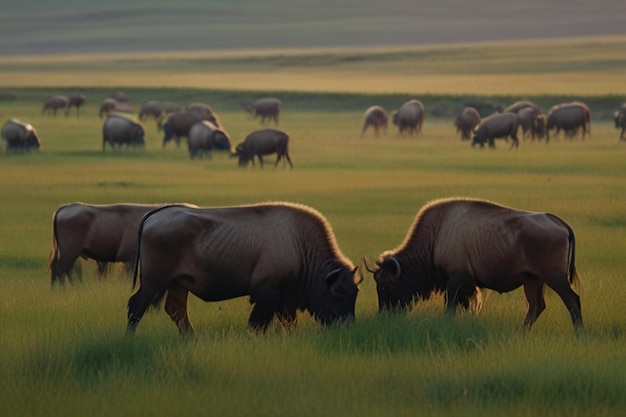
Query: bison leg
(266,304)
(176,308)
(138,303)
(459,291)
(534,291)
(572,302)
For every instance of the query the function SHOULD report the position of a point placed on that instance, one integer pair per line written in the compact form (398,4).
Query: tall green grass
(64,351)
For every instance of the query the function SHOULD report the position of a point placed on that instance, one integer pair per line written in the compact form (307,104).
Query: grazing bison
(75,100)
(177,124)
(204,137)
(104,233)
(266,108)
(466,121)
(119,130)
(283,255)
(204,112)
(19,136)
(457,246)
(150,109)
(107,106)
(569,117)
(54,103)
(264,142)
(519,105)
(410,117)
(620,120)
(498,125)
(377,118)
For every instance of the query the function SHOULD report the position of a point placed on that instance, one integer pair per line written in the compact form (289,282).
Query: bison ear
(391,265)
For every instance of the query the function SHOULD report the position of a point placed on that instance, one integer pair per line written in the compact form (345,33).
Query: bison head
(339,297)
(393,293)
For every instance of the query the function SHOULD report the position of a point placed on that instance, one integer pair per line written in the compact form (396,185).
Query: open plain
(64,351)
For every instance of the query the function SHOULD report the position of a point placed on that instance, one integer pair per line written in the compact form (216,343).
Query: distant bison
(264,142)
(54,103)
(410,117)
(496,126)
(283,255)
(466,121)
(104,233)
(620,120)
(119,130)
(569,117)
(457,246)
(19,136)
(75,100)
(377,118)
(204,137)
(266,108)
(107,106)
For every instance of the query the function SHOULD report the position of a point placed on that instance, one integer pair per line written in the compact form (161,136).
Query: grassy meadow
(64,351)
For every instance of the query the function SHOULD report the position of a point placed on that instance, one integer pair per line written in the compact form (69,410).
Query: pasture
(64,351)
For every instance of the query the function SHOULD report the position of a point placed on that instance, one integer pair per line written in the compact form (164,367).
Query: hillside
(73,26)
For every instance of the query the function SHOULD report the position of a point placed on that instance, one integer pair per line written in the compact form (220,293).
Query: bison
(104,233)
(204,137)
(267,108)
(377,118)
(620,120)
(119,130)
(177,124)
(19,136)
(264,142)
(466,121)
(283,255)
(54,103)
(569,117)
(75,100)
(410,117)
(498,125)
(457,246)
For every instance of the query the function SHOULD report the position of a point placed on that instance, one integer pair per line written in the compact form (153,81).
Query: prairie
(64,351)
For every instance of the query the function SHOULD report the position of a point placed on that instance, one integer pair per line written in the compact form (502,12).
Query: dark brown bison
(104,233)
(410,117)
(283,255)
(264,142)
(267,109)
(569,117)
(466,121)
(150,109)
(620,120)
(377,118)
(519,105)
(75,100)
(457,246)
(497,126)
(204,112)
(54,103)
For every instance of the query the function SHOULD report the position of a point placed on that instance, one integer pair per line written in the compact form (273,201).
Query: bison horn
(332,276)
(367,265)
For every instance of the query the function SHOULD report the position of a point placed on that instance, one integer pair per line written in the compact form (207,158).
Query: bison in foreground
(104,233)
(457,246)
(264,142)
(283,255)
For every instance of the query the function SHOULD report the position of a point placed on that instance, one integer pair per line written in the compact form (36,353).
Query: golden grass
(585,66)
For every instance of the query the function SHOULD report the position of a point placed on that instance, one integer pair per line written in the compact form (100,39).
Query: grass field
(64,352)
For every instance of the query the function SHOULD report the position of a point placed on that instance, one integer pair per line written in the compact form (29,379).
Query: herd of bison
(283,255)
(200,124)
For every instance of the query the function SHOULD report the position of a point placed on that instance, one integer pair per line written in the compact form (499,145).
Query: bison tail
(53,259)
